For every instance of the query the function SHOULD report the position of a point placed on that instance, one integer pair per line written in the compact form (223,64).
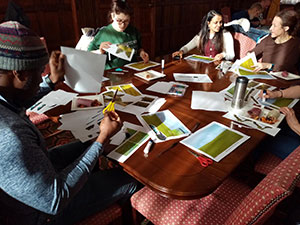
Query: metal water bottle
(239,92)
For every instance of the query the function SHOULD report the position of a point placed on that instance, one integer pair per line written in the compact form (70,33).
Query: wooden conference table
(177,173)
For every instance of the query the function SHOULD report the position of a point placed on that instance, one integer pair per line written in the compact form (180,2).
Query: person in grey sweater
(39,186)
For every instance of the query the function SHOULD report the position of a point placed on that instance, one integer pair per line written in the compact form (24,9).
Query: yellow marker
(111,105)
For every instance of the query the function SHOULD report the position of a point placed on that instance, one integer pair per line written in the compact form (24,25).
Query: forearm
(291,92)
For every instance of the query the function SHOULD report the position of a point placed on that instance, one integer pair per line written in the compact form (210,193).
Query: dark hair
(204,33)
(119,6)
(290,19)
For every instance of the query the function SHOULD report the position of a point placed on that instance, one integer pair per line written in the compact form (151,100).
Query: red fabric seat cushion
(212,209)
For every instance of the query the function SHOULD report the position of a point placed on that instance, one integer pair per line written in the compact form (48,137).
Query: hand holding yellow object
(111,106)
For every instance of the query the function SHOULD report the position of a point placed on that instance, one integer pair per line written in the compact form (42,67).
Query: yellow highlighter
(111,105)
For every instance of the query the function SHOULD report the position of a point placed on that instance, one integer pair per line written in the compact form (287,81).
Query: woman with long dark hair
(119,31)
(212,40)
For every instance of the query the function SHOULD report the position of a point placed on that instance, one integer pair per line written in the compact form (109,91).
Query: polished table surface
(177,173)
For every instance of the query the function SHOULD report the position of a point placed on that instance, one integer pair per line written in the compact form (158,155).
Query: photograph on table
(150,75)
(87,102)
(285,75)
(163,126)
(199,58)
(276,102)
(128,139)
(131,101)
(129,89)
(215,141)
(139,66)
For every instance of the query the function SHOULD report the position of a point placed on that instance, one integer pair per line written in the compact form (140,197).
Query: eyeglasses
(119,21)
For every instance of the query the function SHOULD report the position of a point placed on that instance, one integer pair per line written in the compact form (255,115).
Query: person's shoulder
(131,29)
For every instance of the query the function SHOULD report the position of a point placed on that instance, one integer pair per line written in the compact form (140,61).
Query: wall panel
(165,25)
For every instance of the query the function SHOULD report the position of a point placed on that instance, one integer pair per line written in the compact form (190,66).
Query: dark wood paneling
(165,25)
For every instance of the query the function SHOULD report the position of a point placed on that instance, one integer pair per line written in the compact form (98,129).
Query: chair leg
(138,219)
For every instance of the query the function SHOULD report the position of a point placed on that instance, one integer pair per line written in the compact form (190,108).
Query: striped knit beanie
(20,48)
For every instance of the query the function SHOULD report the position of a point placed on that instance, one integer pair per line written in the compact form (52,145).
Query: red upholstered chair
(242,45)
(232,203)
(266,163)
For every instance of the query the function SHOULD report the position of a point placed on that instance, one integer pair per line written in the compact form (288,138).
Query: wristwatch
(49,81)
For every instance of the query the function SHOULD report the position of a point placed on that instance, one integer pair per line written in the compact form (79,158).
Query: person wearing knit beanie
(23,56)
(20,48)
(38,185)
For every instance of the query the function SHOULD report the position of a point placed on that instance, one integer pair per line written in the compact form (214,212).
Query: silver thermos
(239,92)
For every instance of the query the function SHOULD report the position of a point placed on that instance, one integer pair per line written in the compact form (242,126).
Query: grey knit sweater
(26,173)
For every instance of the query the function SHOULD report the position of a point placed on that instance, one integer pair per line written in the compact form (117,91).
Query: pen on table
(264,95)
(121,70)
(147,148)
(112,72)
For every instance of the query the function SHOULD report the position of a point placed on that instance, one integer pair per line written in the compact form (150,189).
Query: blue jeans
(252,33)
(102,189)
(281,145)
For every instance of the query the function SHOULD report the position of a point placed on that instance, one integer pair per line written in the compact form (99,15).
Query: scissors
(205,162)
(111,105)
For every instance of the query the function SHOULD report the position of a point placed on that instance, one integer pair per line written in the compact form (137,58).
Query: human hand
(110,125)
(57,68)
(105,44)
(291,119)
(144,55)
(180,53)
(219,57)
(261,66)
(269,94)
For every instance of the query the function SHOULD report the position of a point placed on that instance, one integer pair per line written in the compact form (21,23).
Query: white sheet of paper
(160,87)
(211,101)
(271,131)
(192,77)
(164,87)
(83,124)
(84,70)
(52,100)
